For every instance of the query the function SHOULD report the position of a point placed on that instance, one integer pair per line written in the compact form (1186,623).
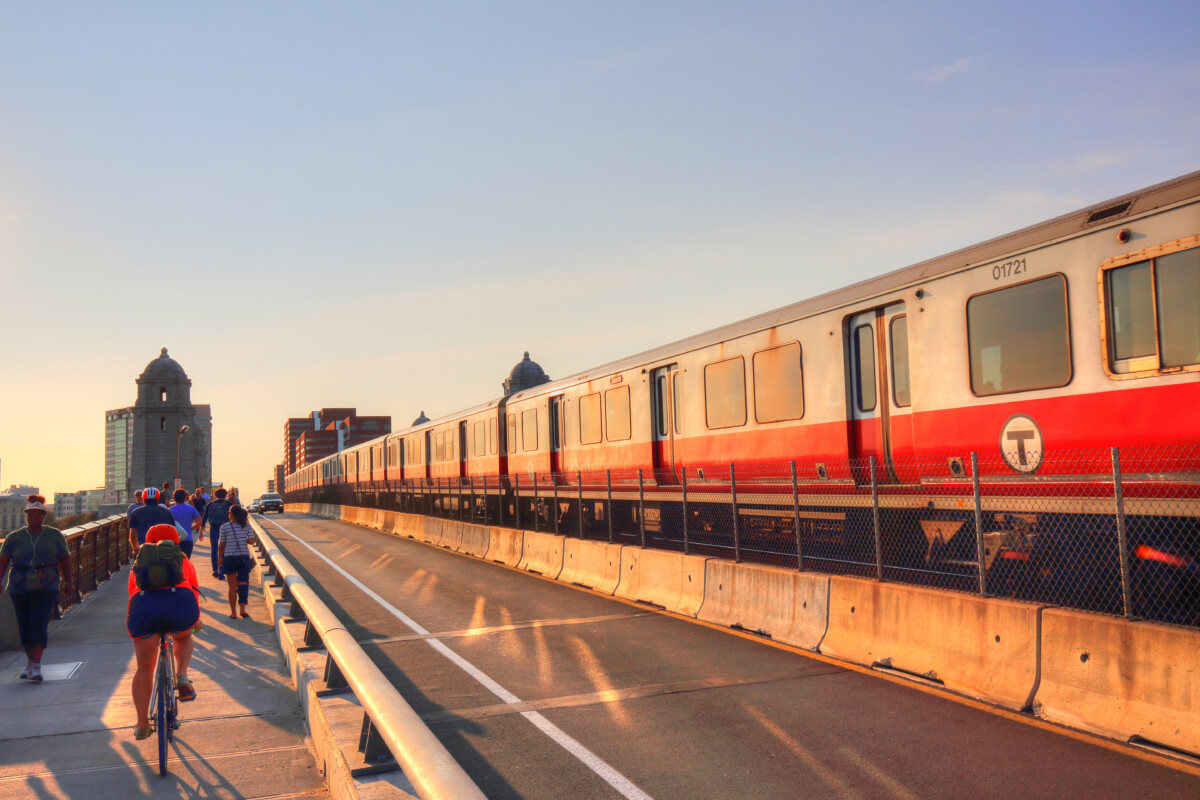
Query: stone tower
(163,407)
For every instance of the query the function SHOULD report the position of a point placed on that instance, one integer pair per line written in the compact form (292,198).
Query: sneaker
(25,672)
(35,673)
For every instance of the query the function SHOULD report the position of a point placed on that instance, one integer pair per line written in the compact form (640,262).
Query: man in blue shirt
(137,502)
(186,517)
(216,514)
(145,516)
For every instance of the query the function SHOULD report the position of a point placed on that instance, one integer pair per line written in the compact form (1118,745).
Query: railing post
(642,508)
(875,518)
(737,524)
(485,501)
(579,486)
(1122,541)
(683,483)
(472,480)
(557,509)
(609,508)
(979,525)
(796,519)
(517,499)
(537,498)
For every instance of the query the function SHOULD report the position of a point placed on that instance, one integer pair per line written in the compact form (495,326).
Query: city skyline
(383,207)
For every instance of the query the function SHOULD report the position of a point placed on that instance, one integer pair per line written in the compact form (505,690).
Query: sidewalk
(72,736)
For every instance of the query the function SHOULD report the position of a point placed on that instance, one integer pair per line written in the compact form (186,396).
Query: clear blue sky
(384,204)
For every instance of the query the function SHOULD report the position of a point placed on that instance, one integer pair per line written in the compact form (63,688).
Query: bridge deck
(541,690)
(243,736)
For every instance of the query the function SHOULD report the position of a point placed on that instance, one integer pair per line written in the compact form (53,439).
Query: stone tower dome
(163,383)
(421,420)
(525,375)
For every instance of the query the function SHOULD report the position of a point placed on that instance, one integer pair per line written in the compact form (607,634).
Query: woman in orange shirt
(157,609)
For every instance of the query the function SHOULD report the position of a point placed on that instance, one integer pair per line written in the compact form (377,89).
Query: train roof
(1183,188)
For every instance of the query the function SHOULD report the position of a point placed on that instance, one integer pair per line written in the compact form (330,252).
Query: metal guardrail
(393,734)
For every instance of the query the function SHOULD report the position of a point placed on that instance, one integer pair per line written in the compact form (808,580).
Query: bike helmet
(151,494)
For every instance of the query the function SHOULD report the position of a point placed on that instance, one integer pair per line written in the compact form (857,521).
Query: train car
(999,371)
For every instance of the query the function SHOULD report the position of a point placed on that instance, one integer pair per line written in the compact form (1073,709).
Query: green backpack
(158,565)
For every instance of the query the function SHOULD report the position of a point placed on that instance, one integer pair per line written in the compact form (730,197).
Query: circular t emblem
(1021,443)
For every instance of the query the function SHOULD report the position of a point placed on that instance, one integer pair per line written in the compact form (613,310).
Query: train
(988,416)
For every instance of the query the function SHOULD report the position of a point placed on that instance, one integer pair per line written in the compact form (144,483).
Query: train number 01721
(1008,269)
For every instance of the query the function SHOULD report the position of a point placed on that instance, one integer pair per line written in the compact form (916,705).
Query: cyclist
(174,609)
(142,517)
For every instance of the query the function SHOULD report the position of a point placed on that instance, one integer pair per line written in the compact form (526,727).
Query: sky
(384,204)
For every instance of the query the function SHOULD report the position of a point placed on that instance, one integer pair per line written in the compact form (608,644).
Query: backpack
(158,565)
(218,513)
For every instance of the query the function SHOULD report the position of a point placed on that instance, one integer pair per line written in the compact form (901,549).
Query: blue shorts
(174,610)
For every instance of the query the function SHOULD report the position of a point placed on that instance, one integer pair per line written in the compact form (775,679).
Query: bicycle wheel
(160,714)
(172,700)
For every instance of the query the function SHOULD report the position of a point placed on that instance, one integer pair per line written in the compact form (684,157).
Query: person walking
(236,538)
(40,561)
(172,608)
(216,514)
(137,502)
(146,516)
(200,500)
(188,518)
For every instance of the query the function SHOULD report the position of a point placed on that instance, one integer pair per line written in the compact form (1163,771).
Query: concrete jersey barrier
(1121,679)
(475,541)
(542,553)
(983,647)
(786,605)
(595,565)
(505,545)
(672,581)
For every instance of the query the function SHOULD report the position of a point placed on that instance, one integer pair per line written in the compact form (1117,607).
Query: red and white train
(1078,334)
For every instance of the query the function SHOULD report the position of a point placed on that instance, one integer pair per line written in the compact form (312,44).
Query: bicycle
(164,718)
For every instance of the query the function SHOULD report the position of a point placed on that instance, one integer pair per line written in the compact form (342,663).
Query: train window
(1019,338)
(864,367)
(616,414)
(480,438)
(660,406)
(491,435)
(529,430)
(901,391)
(590,422)
(1153,321)
(511,431)
(725,393)
(439,446)
(778,384)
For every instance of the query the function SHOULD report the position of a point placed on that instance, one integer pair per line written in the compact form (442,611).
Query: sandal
(140,733)
(245,615)
(186,690)
(233,616)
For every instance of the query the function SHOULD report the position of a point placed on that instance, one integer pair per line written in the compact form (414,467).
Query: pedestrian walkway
(72,736)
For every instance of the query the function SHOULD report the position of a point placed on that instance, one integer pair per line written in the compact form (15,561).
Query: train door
(462,449)
(665,421)
(880,391)
(557,434)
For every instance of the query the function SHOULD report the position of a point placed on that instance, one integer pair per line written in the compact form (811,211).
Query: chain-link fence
(1114,531)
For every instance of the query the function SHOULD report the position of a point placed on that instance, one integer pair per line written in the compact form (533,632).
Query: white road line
(626,787)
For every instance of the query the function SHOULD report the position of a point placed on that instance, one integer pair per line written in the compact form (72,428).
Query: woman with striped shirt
(235,559)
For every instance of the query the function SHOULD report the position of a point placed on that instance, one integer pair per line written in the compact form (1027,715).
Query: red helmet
(161,533)
(151,494)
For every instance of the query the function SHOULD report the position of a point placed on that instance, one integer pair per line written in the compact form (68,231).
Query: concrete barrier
(505,545)
(1120,678)
(10,638)
(452,531)
(982,647)
(475,541)
(431,530)
(673,581)
(542,553)
(596,565)
(784,604)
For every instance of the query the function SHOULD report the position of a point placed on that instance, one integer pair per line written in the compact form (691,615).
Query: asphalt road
(542,690)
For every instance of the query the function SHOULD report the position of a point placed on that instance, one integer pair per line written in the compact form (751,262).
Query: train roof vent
(1108,213)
